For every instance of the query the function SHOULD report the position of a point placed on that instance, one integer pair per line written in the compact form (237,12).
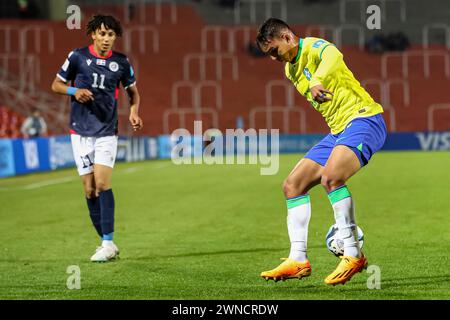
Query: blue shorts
(364,136)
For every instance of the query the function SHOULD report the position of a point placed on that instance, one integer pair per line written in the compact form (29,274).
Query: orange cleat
(346,269)
(288,269)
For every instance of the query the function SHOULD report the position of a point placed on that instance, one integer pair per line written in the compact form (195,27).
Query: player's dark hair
(108,21)
(270,29)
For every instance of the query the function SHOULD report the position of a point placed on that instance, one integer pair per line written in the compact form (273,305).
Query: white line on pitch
(131,170)
(46,183)
(163,165)
(135,169)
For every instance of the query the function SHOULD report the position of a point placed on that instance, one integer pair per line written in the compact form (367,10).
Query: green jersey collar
(300,45)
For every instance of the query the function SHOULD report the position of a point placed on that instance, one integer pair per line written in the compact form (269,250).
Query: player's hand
(84,95)
(319,94)
(136,122)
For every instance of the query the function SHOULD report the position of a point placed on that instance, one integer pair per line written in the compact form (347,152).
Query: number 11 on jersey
(102,81)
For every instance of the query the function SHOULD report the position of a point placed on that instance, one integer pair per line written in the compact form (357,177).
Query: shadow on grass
(210,253)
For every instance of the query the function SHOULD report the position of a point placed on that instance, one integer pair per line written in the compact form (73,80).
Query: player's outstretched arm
(82,95)
(135,100)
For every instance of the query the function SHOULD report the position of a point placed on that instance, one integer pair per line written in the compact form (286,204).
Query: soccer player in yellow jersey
(318,71)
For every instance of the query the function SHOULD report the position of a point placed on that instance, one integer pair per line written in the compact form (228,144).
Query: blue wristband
(71,91)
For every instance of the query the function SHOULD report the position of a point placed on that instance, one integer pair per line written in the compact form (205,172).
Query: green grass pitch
(206,232)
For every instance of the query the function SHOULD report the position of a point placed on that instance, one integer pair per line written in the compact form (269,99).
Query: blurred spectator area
(193,62)
(23,9)
(10,123)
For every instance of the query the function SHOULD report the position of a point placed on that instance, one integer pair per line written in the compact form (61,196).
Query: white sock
(299,213)
(107,243)
(344,214)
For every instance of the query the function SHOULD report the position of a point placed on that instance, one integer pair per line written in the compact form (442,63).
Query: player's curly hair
(271,28)
(108,21)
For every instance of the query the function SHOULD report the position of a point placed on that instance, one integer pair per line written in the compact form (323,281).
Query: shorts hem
(105,164)
(81,174)
(306,157)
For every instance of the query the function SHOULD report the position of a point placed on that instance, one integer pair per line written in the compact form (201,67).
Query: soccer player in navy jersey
(95,73)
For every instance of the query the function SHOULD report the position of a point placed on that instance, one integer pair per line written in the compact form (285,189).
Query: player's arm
(61,87)
(135,100)
(128,80)
(330,59)
(66,73)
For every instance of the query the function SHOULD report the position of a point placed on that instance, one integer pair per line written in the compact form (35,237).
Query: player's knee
(89,192)
(331,182)
(291,189)
(287,187)
(101,186)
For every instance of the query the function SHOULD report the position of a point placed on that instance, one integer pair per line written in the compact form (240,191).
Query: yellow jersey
(320,62)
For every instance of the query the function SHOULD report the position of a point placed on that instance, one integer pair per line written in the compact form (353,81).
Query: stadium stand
(10,123)
(192,62)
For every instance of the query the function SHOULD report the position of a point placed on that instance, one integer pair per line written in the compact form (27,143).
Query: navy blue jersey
(102,76)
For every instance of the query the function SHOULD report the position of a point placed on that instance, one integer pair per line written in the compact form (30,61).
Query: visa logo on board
(434,141)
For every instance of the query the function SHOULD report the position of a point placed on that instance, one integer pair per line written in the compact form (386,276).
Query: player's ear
(286,36)
(290,37)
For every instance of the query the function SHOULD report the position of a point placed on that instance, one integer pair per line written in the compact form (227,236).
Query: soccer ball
(335,244)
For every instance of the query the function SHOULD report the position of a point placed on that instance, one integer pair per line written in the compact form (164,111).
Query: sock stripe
(339,194)
(297,201)
(108,236)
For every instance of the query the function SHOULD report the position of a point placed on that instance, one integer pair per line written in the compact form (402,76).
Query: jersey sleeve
(318,47)
(128,78)
(68,69)
(328,58)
